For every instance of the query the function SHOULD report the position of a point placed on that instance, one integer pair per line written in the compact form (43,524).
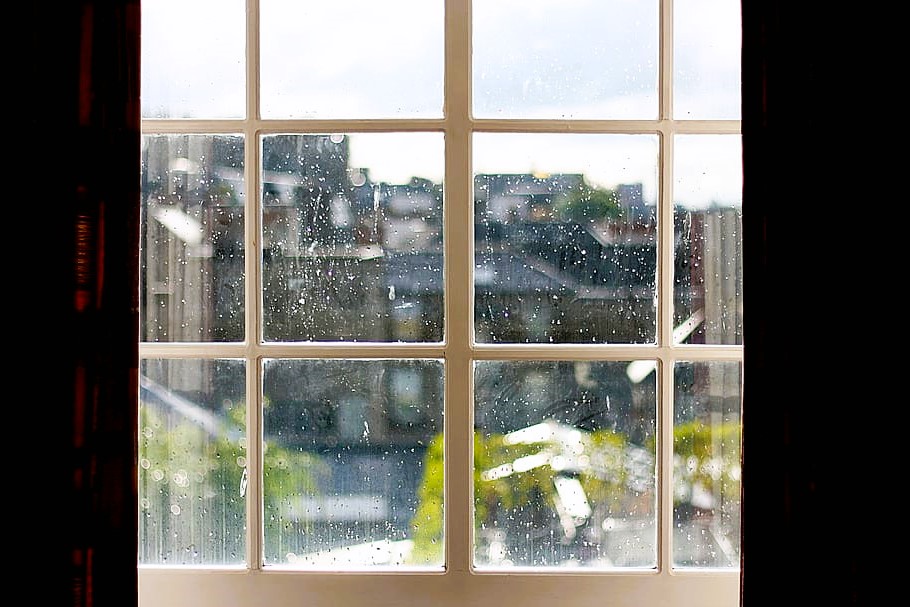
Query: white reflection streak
(537,433)
(640,369)
(180,224)
(496,473)
(523,464)
(529,462)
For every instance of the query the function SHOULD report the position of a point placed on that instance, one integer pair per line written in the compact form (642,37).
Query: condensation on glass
(191,242)
(707,39)
(564,465)
(559,60)
(565,238)
(351,59)
(352,250)
(708,273)
(193,58)
(352,463)
(706,471)
(192,462)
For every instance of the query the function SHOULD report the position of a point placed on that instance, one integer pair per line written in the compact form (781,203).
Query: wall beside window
(799,527)
(76,420)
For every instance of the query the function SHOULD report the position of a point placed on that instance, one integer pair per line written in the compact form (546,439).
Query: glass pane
(352,237)
(707,40)
(193,59)
(564,465)
(191,246)
(706,464)
(352,59)
(192,462)
(557,59)
(565,238)
(708,277)
(352,464)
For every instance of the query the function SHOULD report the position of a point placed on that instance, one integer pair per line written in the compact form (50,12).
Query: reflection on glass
(707,37)
(352,59)
(191,247)
(192,462)
(708,275)
(706,464)
(559,60)
(348,255)
(353,459)
(564,241)
(193,59)
(564,465)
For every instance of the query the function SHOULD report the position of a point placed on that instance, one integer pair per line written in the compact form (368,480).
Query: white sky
(532,59)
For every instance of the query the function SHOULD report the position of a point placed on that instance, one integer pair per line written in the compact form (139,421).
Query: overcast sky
(532,59)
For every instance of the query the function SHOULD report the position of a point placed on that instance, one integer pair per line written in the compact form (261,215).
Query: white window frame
(458,585)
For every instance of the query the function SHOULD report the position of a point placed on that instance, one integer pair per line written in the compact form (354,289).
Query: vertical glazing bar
(665,69)
(458,224)
(665,291)
(253,284)
(665,341)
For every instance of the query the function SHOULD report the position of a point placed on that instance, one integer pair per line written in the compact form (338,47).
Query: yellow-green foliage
(517,490)
(427,524)
(182,458)
(181,461)
(696,444)
(611,446)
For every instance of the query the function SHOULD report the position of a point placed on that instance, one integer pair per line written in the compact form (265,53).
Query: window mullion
(665,71)
(252,342)
(458,230)
(253,284)
(665,227)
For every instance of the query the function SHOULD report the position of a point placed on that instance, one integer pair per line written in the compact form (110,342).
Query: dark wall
(810,420)
(76,229)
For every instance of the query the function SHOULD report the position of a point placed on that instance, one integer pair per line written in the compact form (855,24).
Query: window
(441,298)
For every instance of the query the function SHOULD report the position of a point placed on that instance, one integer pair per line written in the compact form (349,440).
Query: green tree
(708,456)
(695,446)
(588,203)
(496,498)
(188,476)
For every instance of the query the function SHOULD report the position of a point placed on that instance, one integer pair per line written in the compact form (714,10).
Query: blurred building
(348,259)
